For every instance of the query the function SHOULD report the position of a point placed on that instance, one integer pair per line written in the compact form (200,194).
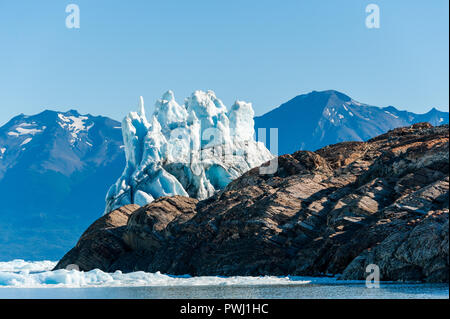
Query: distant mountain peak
(67,137)
(433,110)
(58,165)
(328,93)
(313,120)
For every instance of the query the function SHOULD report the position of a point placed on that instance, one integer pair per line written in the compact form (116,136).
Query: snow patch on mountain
(387,112)
(192,150)
(75,125)
(26,141)
(26,129)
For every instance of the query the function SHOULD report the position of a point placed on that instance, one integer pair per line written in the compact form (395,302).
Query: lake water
(30,280)
(306,291)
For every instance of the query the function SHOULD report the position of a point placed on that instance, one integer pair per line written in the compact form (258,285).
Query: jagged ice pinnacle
(192,150)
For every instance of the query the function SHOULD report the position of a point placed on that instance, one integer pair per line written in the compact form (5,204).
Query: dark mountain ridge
(314,120)
(51,165)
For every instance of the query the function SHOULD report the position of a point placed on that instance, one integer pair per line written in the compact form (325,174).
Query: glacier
(194,149)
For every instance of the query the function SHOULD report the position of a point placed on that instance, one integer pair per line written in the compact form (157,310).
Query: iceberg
(20,265)
(194,149)
(23,274)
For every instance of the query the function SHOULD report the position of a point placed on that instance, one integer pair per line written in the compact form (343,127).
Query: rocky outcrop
(416,251)
(101,243)
(333,211)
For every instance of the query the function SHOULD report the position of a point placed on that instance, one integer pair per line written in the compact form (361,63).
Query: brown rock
(332,211)
(147,226)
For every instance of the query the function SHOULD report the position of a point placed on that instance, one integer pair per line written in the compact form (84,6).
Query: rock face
(192,150)
(333,211)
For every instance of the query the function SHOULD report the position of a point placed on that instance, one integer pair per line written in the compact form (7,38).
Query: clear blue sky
(265,52)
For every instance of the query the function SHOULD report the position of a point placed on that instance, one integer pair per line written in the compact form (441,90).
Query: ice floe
(22,274)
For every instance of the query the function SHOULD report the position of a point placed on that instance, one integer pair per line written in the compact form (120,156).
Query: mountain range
(56,167)
(312,121)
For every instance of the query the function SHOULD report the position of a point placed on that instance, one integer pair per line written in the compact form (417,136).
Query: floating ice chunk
(22,274)
(19,265)
(96,278)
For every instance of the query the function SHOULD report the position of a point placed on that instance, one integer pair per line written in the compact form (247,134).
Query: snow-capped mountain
(55,169)
(314,120)
(192,150)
